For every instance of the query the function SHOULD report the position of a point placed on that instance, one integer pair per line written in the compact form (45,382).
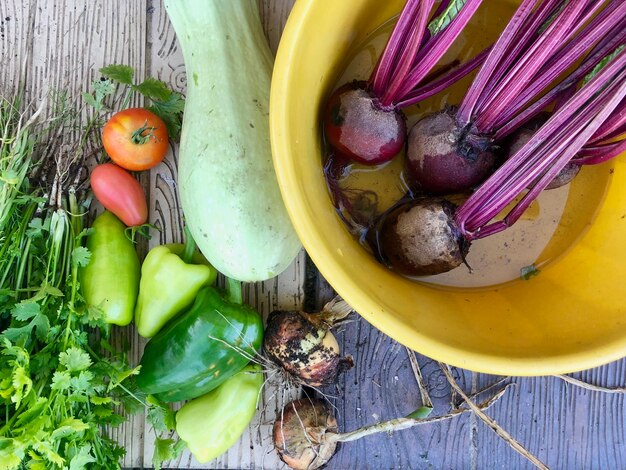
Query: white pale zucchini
(228,188)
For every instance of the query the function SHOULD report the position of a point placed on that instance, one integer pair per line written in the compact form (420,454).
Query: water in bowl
(554,222)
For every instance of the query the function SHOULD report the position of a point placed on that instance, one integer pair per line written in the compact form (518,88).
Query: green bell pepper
(211,424)
(171,276)
(200,349)
(110,281)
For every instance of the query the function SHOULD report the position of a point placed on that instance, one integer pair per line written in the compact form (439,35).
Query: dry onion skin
(299,434)
(303,345)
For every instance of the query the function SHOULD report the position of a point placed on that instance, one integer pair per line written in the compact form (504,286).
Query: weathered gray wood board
(62,44)
(563,425)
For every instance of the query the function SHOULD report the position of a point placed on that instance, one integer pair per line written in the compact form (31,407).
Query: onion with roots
(300,434)
(306,435)
(363,120)
(303,345)
(424,236)
(452,150)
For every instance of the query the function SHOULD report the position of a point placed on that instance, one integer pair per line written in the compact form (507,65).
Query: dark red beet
(420,238)
(521,137)
(440,160)
(357,127)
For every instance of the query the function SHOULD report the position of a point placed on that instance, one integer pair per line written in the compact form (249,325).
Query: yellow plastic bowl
(572,316)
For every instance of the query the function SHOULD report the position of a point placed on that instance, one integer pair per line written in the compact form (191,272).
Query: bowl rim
(330,268)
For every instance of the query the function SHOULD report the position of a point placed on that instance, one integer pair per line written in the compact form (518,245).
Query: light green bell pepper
(212,423)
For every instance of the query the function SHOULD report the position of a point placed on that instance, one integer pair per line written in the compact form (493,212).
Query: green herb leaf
(75,359)
(48,290)
(82,383)
(61,380)
(22,384)
(15,334)
(82,458)
(603,63)
(11,453)
(95,317)
(119,73)
(81,256)
(528,271)
(161,416)
(102,89)
(48,452)
(67,427)
(421,413)
(121,375)
(41,324)
(89,99)
(154,89)
(36,227)
(166,449)
(25,310)
(84,234)
(103,400)
(442,21)
(32,412)
(171,113)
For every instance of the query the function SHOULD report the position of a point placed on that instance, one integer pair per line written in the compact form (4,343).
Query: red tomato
(135,139)
(119,192)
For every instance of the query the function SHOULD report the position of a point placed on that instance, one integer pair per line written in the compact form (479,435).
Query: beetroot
(421,238)
(363,120)
(435,161)
(360,128)
(426,237)
(549,150)
(521,137)
(519,78)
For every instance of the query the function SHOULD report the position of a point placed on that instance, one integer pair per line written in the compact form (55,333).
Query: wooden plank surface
(62,44)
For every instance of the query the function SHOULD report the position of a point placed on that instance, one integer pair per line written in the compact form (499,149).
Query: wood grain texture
(565,426)
(62,44)
(165,61)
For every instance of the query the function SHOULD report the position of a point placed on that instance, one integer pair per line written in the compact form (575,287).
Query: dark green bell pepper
(200,349)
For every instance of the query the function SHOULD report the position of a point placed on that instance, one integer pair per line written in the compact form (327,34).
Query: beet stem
(538,106)
(613,127)
(466,109)
(527,66)
(385,67)
(539,164)
(600,154)
(610,23)
(408,52)
(564,156)
(436,86)
(436,48)
(553,145)
(529,31)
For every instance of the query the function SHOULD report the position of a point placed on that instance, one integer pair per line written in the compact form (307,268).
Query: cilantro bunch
(57,395)
(63,386)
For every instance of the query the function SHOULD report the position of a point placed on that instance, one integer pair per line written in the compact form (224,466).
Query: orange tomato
(119,192)
(135,139)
